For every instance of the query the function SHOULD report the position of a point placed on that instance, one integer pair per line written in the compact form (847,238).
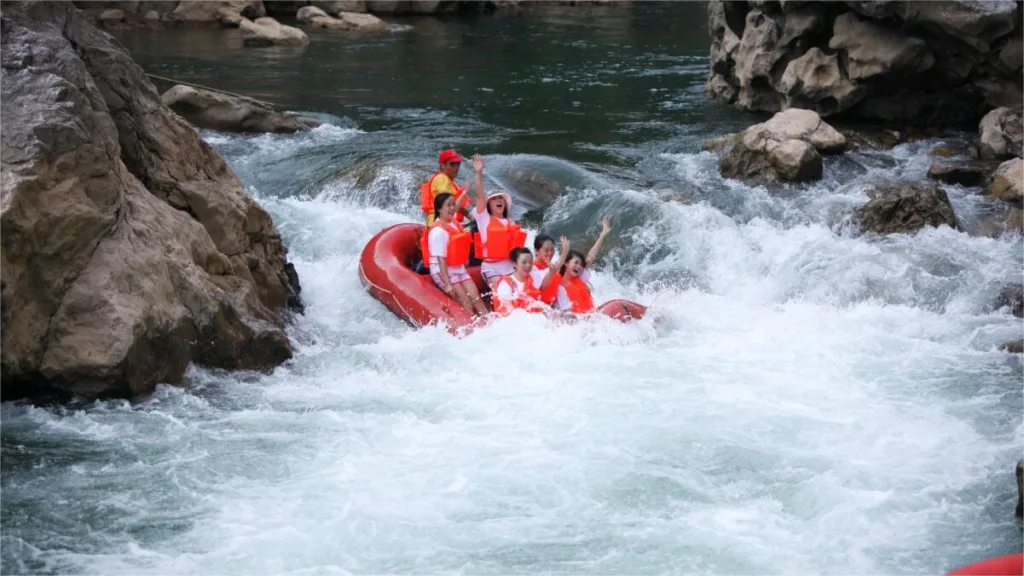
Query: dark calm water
(810,402)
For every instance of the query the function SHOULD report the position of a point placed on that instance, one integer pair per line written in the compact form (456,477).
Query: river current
(810,401)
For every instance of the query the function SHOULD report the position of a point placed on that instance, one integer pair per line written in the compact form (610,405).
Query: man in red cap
(448,164)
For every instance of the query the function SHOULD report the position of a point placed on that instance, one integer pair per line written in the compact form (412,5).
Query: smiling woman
(810,401)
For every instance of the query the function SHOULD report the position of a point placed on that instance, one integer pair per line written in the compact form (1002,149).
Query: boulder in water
(1013,347)
(269,32)
(130,249)
(1001,133)
(963,172)
(1008,181)
(1012,297)
(218,111)
(313,16)
(905,207)
(786,148)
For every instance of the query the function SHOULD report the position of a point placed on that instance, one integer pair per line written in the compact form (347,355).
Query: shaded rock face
(128,248)
(216,111)
(786,148)
(941,63)
(905,207)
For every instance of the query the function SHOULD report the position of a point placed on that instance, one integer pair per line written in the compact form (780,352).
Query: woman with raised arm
(496,233)
(445,248)
(573,278)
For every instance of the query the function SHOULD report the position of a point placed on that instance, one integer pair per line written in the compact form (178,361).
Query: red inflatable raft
(386,269)
(1010,565)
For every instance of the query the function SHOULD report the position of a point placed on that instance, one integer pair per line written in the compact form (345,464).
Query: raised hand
(606,225)
(564,243)
(478,163)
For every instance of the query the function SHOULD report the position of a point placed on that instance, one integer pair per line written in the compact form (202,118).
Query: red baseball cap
(449,155)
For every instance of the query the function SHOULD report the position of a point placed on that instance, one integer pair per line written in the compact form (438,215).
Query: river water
(811,401)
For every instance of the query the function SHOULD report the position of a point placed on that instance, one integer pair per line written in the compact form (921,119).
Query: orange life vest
(427,200)
(525,300)
(580,300)
(501,239)
(458,245)
(549,294)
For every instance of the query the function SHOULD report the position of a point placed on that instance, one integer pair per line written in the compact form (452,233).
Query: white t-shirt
(437,242)
(508,292)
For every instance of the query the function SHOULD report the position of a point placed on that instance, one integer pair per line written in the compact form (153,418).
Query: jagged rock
(1001,133)
(917,63)
(129,249)
(1008,181)
(876,51)
(217,111)
(905,207)
(814,81)
(963,172)
(269,32)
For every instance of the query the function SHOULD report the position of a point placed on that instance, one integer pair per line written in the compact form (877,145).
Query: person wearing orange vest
(517,290)
(443,181)
(445,248)
(573,277)
(544,247)
(496,234)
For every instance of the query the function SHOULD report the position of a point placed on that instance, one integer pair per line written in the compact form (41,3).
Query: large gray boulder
(941,63)
(129,249)
(787,148)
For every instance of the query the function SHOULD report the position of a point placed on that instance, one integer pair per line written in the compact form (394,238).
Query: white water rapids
(811,403)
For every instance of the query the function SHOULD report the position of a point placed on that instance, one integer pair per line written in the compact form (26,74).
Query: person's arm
(478,172)
(554,267)
(606,228)
(438,240)
(442,267)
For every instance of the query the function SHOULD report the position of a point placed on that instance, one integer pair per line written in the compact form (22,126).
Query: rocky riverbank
(129,247)
(260,19)
(907,64)
(925,64)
